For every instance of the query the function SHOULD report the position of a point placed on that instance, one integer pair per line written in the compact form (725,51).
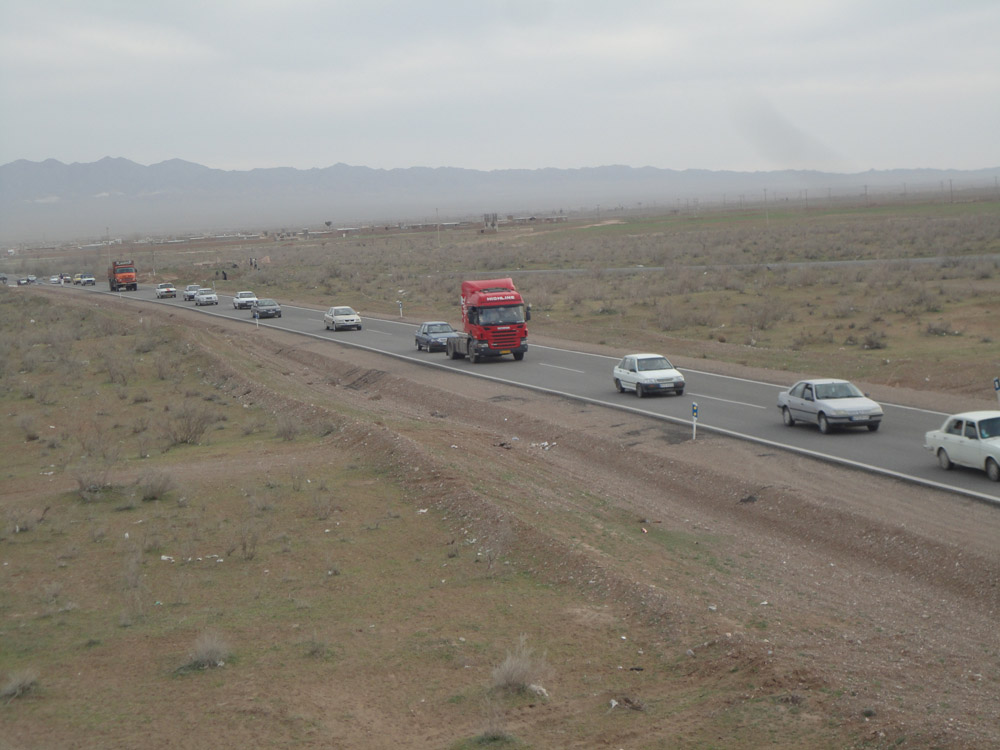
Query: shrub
(210,650)
(28,427)
(520,669)
(288,427)
(19,684)
(155,485)
(188,423)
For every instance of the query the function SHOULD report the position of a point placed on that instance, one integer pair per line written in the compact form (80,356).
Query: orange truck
(493,321)
(122,276)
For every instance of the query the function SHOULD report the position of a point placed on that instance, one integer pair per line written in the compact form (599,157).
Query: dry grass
(521,669)
(210,650)
(18,684)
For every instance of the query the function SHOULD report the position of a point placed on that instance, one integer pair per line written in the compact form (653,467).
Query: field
(220,537)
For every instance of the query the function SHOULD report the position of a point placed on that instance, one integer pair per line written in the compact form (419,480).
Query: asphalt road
(737,407)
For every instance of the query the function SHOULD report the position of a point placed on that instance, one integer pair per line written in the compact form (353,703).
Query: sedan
(189,291)
(265,308)
(969,439)
(244,300)
(646,374)
(338,317)
(434,335)
(88,280)
(165,289)
(206,297)
(829,403)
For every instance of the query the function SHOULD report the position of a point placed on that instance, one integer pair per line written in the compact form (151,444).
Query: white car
(189,291)
(829,403)
(338,317)
(244,300)
(970,439)
(206,297)
(646,374)
(165,289)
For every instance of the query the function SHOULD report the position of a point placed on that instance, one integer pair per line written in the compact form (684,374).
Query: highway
(737,407)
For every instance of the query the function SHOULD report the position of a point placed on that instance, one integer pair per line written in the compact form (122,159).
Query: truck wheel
(518,356)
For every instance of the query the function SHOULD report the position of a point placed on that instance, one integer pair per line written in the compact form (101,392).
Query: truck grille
(505,339)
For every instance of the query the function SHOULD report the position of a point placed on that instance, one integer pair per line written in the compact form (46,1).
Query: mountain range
(50,201)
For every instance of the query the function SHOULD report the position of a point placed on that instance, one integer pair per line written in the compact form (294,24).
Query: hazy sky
(838,85)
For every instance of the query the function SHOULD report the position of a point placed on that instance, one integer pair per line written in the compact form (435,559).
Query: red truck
(122,276)
(493,321)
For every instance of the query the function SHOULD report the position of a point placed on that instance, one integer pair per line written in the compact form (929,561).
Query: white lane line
(728,401)
(557,367)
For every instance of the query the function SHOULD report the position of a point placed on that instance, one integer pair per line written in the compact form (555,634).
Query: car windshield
(989,428)
(501,315)
(439,328)
(343,311)
(829,391)
(653,363)
(266,303)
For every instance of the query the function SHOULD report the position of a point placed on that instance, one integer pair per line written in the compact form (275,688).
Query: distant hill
(51,201)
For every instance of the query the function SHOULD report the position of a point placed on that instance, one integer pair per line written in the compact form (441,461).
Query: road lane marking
(557,367)
(728,401)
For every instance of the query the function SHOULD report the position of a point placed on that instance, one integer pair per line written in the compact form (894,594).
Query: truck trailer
(493,321)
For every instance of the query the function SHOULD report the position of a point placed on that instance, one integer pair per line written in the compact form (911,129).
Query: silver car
(341,316)
(206,297)
(829,403)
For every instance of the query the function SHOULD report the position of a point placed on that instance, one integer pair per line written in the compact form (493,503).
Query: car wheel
(327,326)
(618,386)
(943,461)
(824,425)
(993,470)
(786,417)
(420,347)
(639,390)
(473,357)
(679,391)
(278,315)
(873,426)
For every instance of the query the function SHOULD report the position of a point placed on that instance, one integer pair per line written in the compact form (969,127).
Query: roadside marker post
(694,420)
(996,387)
(400,303)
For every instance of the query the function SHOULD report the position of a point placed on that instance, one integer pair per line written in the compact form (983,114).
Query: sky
(839,86)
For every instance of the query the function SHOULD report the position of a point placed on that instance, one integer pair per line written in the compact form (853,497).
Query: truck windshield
(501,315)
(124,269)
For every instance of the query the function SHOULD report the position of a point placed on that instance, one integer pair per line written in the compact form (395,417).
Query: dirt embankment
(867,585)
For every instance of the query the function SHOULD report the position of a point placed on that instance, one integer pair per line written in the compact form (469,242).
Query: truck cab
(494,317)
